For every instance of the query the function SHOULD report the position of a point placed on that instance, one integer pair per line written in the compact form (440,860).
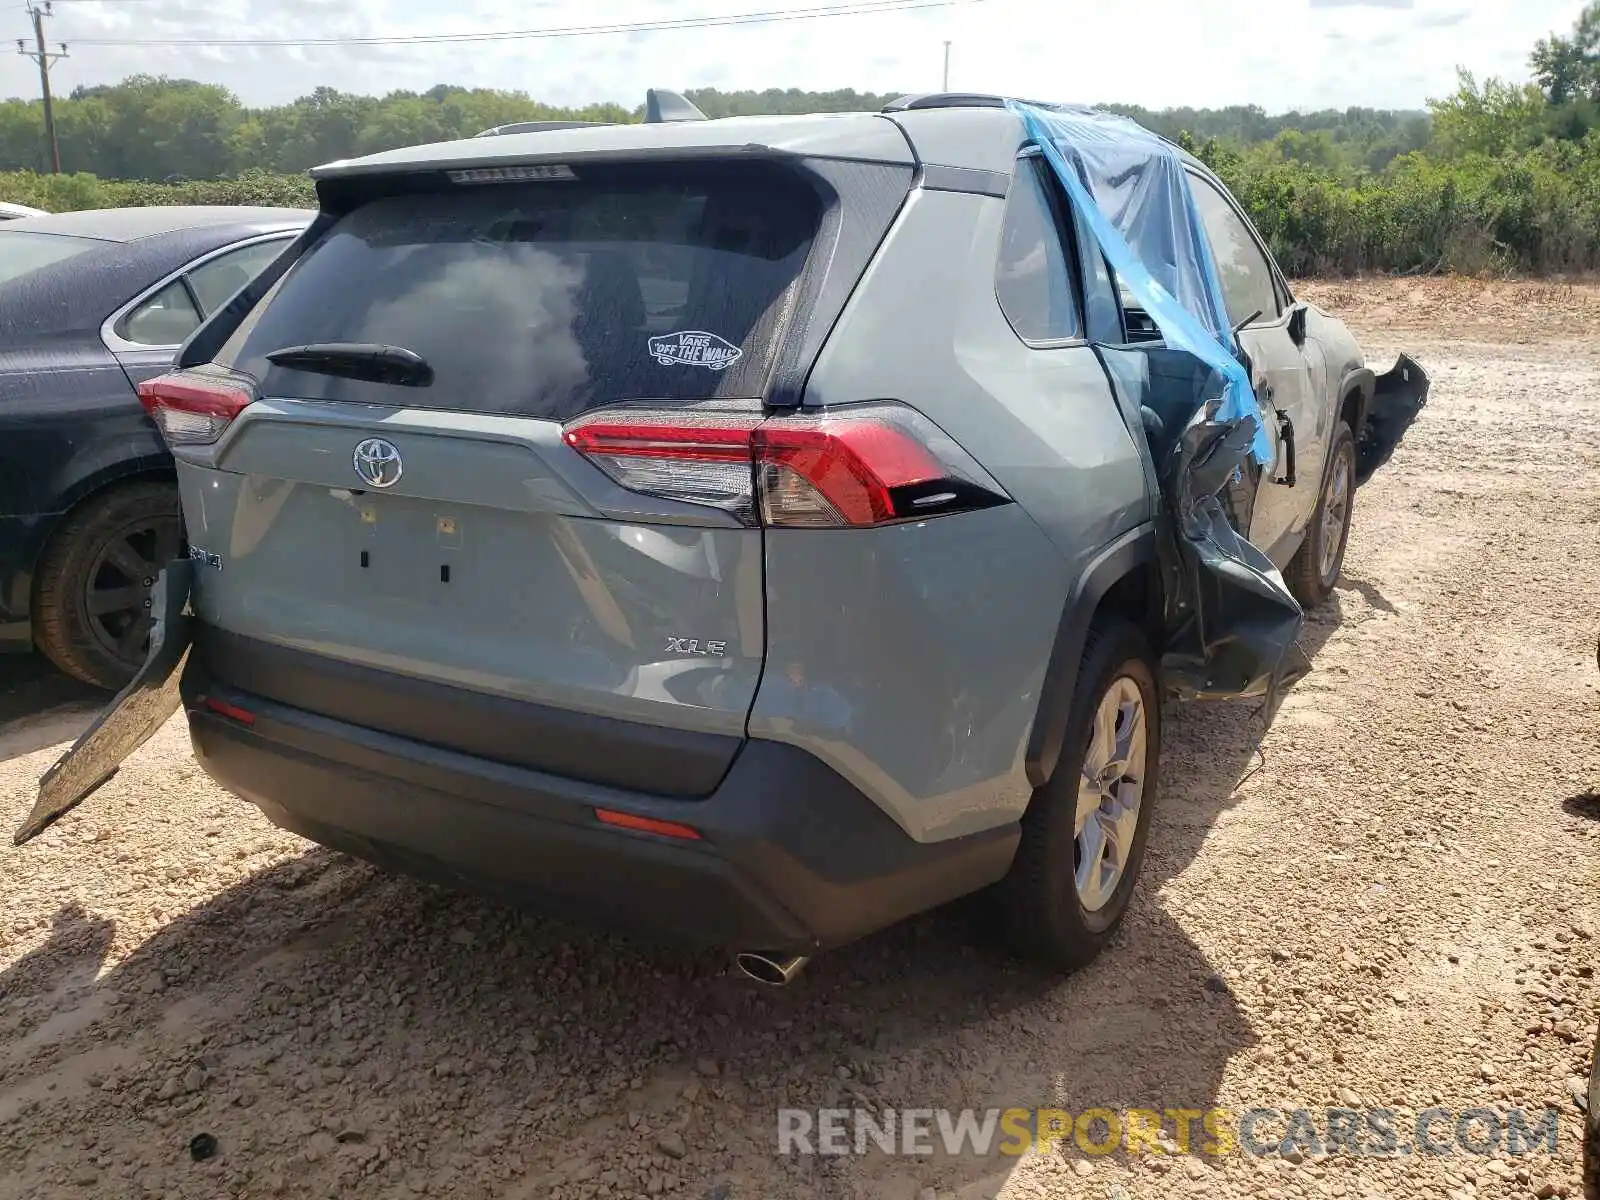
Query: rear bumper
(792,858)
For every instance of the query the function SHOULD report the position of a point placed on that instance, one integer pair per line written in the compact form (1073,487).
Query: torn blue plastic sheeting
(1133,192)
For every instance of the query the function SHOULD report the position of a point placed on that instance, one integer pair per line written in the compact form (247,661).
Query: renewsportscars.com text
(1376,1132)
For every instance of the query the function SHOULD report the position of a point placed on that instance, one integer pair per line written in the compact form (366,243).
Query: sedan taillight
(856,468)
(193,409)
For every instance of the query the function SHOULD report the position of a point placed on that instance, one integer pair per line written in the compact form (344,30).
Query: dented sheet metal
(1133,192)
(1233,626)
(1238,634)
(130,720)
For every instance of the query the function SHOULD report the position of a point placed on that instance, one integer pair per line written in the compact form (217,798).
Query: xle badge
(695,348)
(677,645)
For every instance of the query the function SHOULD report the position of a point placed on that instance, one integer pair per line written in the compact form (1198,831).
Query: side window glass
(1247,284)
(1102,307)
(1032,279)
(165,319)
(215,282)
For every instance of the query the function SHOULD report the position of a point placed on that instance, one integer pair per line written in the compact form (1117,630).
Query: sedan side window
(215,282)
(1247,285)
(165,319)
(1032,280)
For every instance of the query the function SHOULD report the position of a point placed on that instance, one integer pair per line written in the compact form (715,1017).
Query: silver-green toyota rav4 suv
(759,529)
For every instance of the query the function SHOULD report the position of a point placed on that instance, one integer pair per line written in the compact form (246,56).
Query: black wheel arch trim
(1133,552)
(1364,380)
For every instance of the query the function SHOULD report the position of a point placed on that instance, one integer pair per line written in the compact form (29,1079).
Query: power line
(44,58)
(852,8)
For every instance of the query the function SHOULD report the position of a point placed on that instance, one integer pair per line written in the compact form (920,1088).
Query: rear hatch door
(421,551)
(444,563)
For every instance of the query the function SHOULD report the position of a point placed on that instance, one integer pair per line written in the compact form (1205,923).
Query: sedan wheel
(117,602)
(92,611)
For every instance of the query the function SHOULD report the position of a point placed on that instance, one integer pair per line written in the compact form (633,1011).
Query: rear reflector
(856,468)
(232,711)
(194,409)
(624,820)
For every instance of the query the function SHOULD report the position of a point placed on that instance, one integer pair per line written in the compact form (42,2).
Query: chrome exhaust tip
(774,972)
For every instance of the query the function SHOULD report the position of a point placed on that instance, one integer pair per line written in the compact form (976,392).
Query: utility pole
(44,58)
(946,67)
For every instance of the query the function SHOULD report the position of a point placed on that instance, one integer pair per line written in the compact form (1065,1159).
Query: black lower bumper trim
(624,754)
(792,857)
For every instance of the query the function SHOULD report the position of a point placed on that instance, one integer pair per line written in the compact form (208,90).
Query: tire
(91,610)
(1315,567)
(1048,917)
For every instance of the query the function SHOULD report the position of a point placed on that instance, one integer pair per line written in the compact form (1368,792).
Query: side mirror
(1297,324)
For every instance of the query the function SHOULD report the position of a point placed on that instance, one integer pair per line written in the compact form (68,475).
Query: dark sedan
(91,303)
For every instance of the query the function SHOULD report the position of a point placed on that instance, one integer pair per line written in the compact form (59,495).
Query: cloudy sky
(1281,54)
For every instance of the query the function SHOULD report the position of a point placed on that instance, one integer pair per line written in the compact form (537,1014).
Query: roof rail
(538,127)
(661,107)
(945,100)
(959,100)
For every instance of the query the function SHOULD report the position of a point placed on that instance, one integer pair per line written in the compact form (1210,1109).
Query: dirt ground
(1387,899)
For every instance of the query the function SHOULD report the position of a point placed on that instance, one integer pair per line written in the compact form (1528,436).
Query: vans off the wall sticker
(694,348)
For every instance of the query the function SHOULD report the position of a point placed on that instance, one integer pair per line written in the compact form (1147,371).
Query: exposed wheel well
(1123,580)
(1351,408)
(1137,597)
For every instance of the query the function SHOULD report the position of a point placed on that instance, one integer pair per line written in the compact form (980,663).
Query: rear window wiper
(357,360)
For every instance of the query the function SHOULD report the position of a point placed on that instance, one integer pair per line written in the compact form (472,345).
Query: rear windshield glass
(21,253)
(549,299)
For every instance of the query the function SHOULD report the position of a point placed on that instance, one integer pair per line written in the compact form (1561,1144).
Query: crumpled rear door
(1231,623)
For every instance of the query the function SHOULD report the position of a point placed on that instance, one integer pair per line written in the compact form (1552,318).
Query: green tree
(1568,68)
(1488,119)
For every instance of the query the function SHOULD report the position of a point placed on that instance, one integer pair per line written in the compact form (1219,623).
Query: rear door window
(216,280)
(165,319)
(1032,279)
(667,283)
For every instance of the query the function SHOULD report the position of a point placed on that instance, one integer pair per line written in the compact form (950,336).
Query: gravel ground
(1387,899)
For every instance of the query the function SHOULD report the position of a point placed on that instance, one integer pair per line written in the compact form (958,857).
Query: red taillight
(852,466)
(192,409)
(861,467)
(622,820)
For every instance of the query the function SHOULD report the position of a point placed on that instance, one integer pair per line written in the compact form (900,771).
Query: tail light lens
(194,409)
(704,460)
(856,468)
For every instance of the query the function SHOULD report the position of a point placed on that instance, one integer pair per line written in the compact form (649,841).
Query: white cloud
(1274,53)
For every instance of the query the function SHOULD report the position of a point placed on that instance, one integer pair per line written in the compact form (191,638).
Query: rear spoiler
(660,107)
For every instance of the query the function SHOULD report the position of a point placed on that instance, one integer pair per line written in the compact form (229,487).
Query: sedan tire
(92,590)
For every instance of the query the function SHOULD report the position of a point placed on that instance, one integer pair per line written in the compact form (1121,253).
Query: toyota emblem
(378,462)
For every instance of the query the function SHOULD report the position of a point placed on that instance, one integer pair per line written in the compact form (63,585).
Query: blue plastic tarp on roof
(1133,192)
